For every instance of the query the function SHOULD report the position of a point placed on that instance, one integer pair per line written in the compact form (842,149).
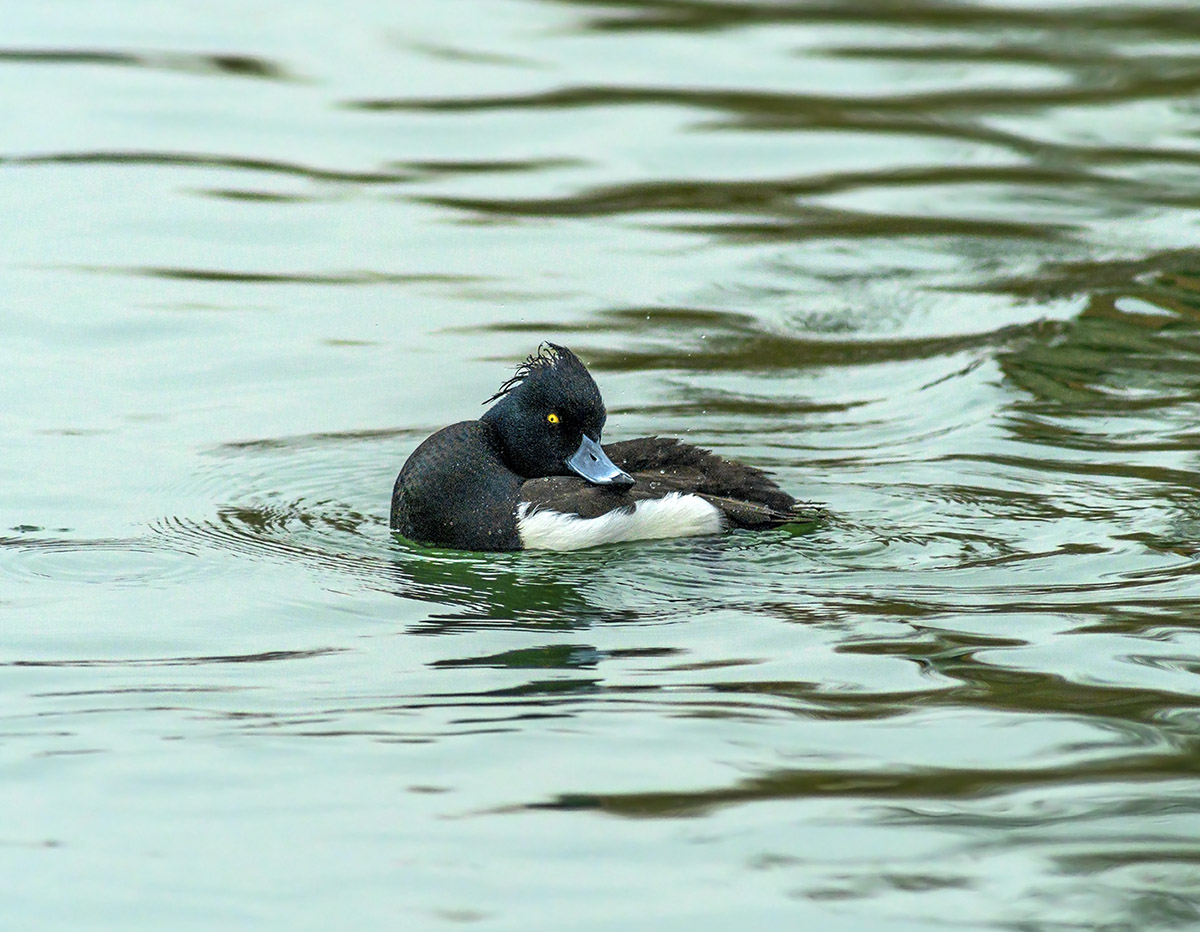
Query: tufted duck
(531,474)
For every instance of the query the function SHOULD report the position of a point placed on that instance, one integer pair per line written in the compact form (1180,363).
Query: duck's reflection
(547,591)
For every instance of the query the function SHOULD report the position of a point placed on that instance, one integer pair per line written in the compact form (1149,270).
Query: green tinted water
(931,264)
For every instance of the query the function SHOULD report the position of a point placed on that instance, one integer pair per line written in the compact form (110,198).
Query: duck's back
(747,496)
(455,491)
(681,490)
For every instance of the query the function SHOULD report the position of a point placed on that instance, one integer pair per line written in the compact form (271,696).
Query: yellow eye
(552,418)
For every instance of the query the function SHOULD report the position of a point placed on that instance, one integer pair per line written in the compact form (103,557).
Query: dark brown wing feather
(748,497)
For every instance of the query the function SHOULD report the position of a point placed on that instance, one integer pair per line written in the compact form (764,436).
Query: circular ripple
(289,499)
(110,562)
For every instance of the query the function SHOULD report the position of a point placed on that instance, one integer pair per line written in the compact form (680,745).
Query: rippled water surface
(932,263)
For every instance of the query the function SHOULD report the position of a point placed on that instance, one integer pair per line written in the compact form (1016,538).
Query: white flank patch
(674,515)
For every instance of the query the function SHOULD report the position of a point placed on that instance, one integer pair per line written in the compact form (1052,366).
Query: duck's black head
(549,417)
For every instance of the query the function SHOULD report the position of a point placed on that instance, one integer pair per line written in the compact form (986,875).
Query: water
(933,264)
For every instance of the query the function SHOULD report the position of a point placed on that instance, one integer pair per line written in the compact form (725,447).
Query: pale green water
(932,263)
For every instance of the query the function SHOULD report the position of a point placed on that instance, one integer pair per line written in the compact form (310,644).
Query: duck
(532,474)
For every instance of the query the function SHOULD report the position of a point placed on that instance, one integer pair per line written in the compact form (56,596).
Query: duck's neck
(497,421)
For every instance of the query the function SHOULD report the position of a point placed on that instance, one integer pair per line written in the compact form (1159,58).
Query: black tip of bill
(592,463)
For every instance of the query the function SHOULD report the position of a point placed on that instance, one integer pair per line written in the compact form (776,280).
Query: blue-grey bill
(591,462)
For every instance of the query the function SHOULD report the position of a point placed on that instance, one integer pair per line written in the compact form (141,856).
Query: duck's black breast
(746,497)
(456,491)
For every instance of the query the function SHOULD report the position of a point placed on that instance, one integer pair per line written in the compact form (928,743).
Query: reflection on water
(932,264)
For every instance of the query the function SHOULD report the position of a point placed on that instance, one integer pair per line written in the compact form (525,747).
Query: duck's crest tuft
(548,356)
